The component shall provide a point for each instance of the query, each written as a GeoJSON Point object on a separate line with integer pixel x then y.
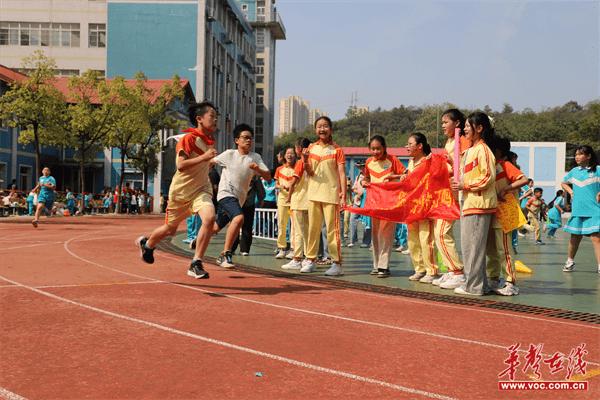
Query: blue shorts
{"type": "Point", "coordinates": [47, 199]}
{"type": "Point", "coordinates": [227, 209]}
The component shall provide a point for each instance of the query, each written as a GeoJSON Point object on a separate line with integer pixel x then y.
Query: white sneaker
{"type": "Point", "coordinates": [350, 245]}
{"type": "Point", "coordinates": [428, 278]}
{"type": "Point", "coordinates": [280, 254]}
{"type": "Point", "coordinates": [453, 282]}
{"type": "Point", "coordinates": [335, 270]}
{"type": "Point", "coordinates": [400, 249]}
{"type": "Point", "coordinates": [461, 290]}
{"type": "Point", "coordinates": [307, 266]}
{"type": "Point", "coordinates": [406, 252]}
{"type": "Point", "coordinates": [442, 279]}
{"type": "Point", "coordinates": [245, 254]}
{"type": "Point", "coordinates": [569, 266]}
{"type": "Point", "coordinates": [416, 276]}
{"type": "Point", "coordinates": [520, 234]}
{"type": "Point", "coordinates": [508, 290]}
{"type": "Point", "coordinates": [294, 264]}
{"type": "Point", "coordinates": [290, 254]}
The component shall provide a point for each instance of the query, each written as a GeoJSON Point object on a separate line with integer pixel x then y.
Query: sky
{"type": "Point", "coordinates": [531, 54]}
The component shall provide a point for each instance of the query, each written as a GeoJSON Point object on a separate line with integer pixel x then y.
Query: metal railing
{"type": "Point", "coordinates": [265, 223]}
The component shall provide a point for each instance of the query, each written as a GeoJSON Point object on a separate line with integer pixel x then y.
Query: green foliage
{"type": "Point", "coordinates": [570, 123]}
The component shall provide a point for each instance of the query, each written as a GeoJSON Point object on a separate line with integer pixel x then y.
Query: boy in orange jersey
{"type": "Point", "coordinates": [190, 190]}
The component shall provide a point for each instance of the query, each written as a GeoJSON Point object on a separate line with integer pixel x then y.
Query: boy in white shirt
{"type": "Point", "coordinates": [239, 166]}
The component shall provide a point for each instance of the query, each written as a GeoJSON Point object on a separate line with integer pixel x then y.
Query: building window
{"type": "Point", "coordinates": [39, 34]}
{"type": "Point", "coordinates": [260, 39]}
{"type": "Point", "coordinates": [25, 174]}
{"type": "Point", "coordinates": [97, 35]}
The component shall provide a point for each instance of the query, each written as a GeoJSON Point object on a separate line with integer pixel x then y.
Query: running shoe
{"type": "Point", "coordinates": [146, 253]}
{"type": "Point", "coordinates": [197, 271]}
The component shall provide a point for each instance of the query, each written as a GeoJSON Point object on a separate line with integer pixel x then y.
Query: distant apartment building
{"type": "Point", "coordinates": [314, 114]}
{"type": "Point", "coordinates": [293, 114]}
{"type": "Point", "coordinates": [268, 28]}
{"type": "Point", "coordinates": [73, 32]}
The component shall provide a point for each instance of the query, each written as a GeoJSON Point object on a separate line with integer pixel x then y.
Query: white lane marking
{"type": "Point", "coordinates": [30, 245]}
{"type": "Point", "coordinates": [221, 343]}
{"type": "Point", "coordinates": [8, 395]}
{"type": "Point", "coordinates": [98, 284]}
{"type": "Point", "coordinates": [416, 301]}
{"type": "Point", "coordinates": [305, 311]}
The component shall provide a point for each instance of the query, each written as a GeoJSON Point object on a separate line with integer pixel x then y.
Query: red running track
{"type": "Point", "coordinates": [82, 317]}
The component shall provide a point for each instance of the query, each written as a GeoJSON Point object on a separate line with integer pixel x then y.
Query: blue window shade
{"type": "Point", "coordinates": [523, 160]}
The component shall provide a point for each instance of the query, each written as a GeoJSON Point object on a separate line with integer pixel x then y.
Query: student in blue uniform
{"type": "Point", "coordinates": [47, 186]}
{"type": "Point", "coordinates": [583, 184]}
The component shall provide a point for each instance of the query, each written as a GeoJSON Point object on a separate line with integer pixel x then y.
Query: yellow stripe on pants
{"type": "Point", "coordinates": [317, 212]}
{"type": "Point", "coordinates": [498, 253]}
{"type": "Point", "coordinates": [422, 246]}
{"type": "Point", "coordinates": [283, 217]}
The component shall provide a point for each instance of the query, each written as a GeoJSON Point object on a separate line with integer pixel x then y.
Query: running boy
{"type": "Point", "coordinates": [190, 190]}
{"type": "Point", "coordinates": [534, 209]}
{"type": "Point", "coordinates": [239, 167]}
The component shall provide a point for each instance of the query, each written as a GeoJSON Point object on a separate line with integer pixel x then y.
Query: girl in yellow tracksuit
{"type": "Point", "coordinates": [444, 238]}
{"type": "Point", "coordinates": [284, 176]}
{"type": "Point", "coordinates": [420, 233]}
{"type": "Point", "coordinates": [324, 163]}
{"type": "Point", "coordinates": [381, 167]}
{"type": "Point", "coordinates": [478, 180]}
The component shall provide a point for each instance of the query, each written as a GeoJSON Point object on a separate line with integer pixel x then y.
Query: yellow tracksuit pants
{"type": "Point", "coordinates": [317, 212]}
{"type": "Point", "coordinates": [299, 240]}
{"type": "Point", "coordinates": [283, 217]}
{"type": "Point", "coordinates": [421, 244]}
{"type": "Point", "coordinates": [383, 240]}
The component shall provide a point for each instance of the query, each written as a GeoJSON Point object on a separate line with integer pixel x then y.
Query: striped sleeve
{"type": "Point", "coordinates": [487, 169]}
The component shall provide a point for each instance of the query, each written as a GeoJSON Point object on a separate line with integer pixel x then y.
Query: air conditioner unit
{"type": "Point", "coordinates": [210, 14]}
{"type": "Point", "coordinates": [228, 77]}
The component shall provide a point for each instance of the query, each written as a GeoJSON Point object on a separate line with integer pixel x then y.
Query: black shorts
{"type": "Point", "coordinates": [227, 209]}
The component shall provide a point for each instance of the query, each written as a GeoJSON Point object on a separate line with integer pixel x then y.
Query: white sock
{"type": "Point", "coordinates": [570, 260]}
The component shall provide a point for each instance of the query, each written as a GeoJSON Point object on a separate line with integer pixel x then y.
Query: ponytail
{"type": "Point", "coordinates": [422, 139]}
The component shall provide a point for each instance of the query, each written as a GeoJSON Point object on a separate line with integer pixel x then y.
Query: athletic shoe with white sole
{"type": "Point", "coordinates": [146, 253]}
{"type": "Point", "coordinates": [335, 270]}
{"type": "Point", "coordinates": [454, 282]}
{"type": "Point", "coordinates": [225, 260]}
{"type": "Point", "coordinates": [374, 271]}
{"type": "Point", "coordinates": [197, 271]}
{"type": "Point", "coordinates": [442, 279]}
{"type": "Point", "coordinates": [416, 276]}
{"type": "Point", "coordinates": [280, 254]}
{"type": "Point", "coordinates": [290, 254]}
{"type": "Point", "coordinates": [294, 264]}
{"type": "Point", "coordinates": [569, 266]}
{"type": "Point", "coordinates": [383, 273]}
{"type": "Point", "coordinates": [461, 290]}
{"type": "Point", "coordinates": [308, 266]}
{"type": "Point", "coordinates": [428, 278]}
{"type": "Point", "coordinates": [508, 290]}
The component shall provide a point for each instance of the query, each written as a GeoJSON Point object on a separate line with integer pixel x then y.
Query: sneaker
{"type": "Point", "coordinates": [335, 270]}
{"type": "Point", "coordinates": [280, 254]}
{"type": "Point", "coordinates": [186, 241]}
{"type": "Point", "coordinates": [539, 243]}
{"type": "Point", "coordinates": [442, 279]}
{"type": "Point", "coordinates": [416, 276]}
{"type": "Point", "coordinates": [400, 249]}
{"type": "Point", "coordinates": [508, 290]}
{"type": "Point", "coordinates": [146, 253]}
{"type": "Point", "coordinates": [406, 252]}
{"type": "Point", "coordinates": [428, 278]}
{"type": "Point", "coordinates": [324, 261]}
{"type": "Point", "coordinates": [294, 264]}
{"type": "Point", "coordinates": [192, 245]}
{"type": "Point", "coordinates": [245, 253]}
{"type": "Point", "coordinates": [290, 254]}
{"type": "Point", "coordinates": [364, 246]}
{"type": "Point", "coordinates": [307, 266]}
{"type": "Point", "coordinates": [350, 245]}
{"type": "Point", "coordinates": [461, 290]}
{"type": "Point", "coordinates": [225, 260]}
{"type": "Point", "coordinates": [453, 282]}
{"type": "Point", "coordinates": [34, 223]}
{"type": "Point", "coordinates": [520, 234]}
{"type": "Point", "coordinates": [383, 273]}
{"type": "Point", "coordinates": [374, 271]}
{"type": "Point", "coordinates": [197, 271]}
{"type": "Point", "coordinates": [569, 266]}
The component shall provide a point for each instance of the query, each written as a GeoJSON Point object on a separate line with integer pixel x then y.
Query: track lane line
{"type": "Point", "coordinates": [233, 346]}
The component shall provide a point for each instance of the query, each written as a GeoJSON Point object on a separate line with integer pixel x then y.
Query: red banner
{"type": "Point", "coordinates": [423, 193]}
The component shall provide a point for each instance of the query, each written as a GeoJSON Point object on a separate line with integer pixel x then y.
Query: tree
{"type": "Point", "coordinates": [90, 117]}
{"type": "Point", "coordinates": [35, 106]}
{"type": "Point", "coordinates": [507, 109]}
{"type": "Point", "coordinates": [158, 112]}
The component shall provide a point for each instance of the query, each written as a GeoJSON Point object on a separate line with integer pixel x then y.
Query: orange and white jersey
{"type": "Point", "coordinates": [378, 170]}
{"type": "Point", "coordinates": [186, 185]}
{"type": "Point", "coordinates": [300, 195]}
{"type": "Point", "coordinates": [324, 185]}
{"type": "Point", "coordinates": [479, 177]}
